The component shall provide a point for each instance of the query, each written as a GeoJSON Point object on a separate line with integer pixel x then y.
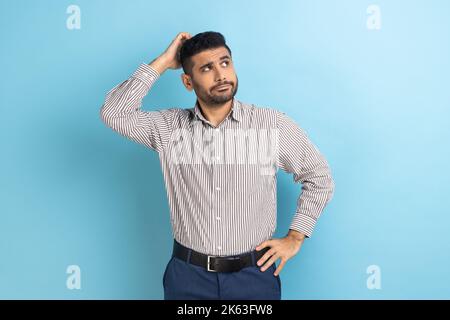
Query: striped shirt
{"type": "Point", "coordinates": [221, 180]}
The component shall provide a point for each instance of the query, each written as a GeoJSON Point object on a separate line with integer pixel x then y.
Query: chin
{"type": "Point", "coordinates": [220, 100]}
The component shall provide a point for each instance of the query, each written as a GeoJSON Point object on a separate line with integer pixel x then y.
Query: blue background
{"type": "Point", "coordinates": [375, 102]}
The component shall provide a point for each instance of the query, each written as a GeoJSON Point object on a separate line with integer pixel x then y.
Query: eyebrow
{"type": "Point", "coordinates": [210, 63]}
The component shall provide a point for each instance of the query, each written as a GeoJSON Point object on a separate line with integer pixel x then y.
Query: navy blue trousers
{"type": "Point", "coordinates": [186, 281]}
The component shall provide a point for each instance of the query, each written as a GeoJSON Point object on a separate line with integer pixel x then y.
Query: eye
{"type": "Point", "coordinates": [226, 62]}
{"type": "Point", "coordinates": [205, 69]}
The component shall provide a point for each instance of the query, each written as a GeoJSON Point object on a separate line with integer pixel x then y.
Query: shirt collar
{"type": "Point", "coordinates": [235, 111]}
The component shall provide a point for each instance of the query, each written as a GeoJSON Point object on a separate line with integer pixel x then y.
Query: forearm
{"type": "Point", "coordinates": [160, 64]}
{"type": "Point", "coordinates": [126, 98]}
{"type": "Point", "coordinates": [317, 191]}
{"type": "Point", "coordinates": [121, 110]}
{"type": "Point", "coordinates": [122, 103]}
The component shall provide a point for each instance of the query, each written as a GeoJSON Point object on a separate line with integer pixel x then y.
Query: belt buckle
{"type": "Point", "coordinates": [207, 265]}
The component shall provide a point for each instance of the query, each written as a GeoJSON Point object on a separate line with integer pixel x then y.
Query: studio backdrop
{"type": "Point", "coordinates": [84, 212]}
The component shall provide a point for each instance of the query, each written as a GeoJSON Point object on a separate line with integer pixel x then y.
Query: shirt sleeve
{"type": "Point", "coordinates": [122, 112]}
{"type": "Point", "coordinates": [299, 156]}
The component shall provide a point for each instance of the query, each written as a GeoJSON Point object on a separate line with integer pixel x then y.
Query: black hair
{"type": "Point", "coordinates": [198, 43]}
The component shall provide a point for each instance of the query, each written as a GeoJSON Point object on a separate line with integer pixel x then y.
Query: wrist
{"type": "Point", "coordinates": [296, 235]}
{"type": "Point", "coordinates": [159, 64]}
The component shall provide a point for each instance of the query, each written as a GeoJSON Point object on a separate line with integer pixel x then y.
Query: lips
{"type": "Point", "coordinates": [223, 86]}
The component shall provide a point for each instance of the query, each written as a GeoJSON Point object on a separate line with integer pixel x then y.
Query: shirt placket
{"type": "Point", "coordinates": [217, 190]}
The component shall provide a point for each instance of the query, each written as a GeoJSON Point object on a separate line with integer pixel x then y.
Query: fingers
{"type": "Point", "coordinates": [183, 36]}
{"type": "Point", "coordinates": [279, 249]}
{"type": "Point", "coordinates": [270, 262]}
{"type": "Point", "coordinates": [180, 38]}
{"type": "Point", "coordinates": [265, 257]}
{"type": "Point", "coordinates": [280, 267]}
{"type": "Point", "coordinates": [273, 258]}
{"type": "Point", "coordinates": [262, 245]}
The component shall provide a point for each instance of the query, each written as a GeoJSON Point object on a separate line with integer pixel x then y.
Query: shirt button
{"type": "Point", "coordinates": [218, 188]}
{"type": "Point", "coordinates": [145, 73]}
{"type": "Point", "coordinates": [219, 247]}
{"type": "Point", "coordinates": [218, 218]}
{"type": "Point", "coordinates": [152, 78]}
{"type": "Point", "coordinates": [217, 158]}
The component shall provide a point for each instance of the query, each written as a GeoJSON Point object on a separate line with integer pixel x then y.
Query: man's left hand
{"type": "Point", "coordinates": [283, 248]}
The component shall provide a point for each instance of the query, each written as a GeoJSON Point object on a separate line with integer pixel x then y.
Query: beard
{"type": "Point", "coordinates": [214, 97]}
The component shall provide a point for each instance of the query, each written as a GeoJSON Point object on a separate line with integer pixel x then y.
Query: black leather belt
{"type": "Point", "coordinates": [217, 263]}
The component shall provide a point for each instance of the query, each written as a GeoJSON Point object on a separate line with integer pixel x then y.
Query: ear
{"type": "Point", "coordinates": [186, 79]}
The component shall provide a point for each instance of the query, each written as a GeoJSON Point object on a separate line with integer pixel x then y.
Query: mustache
{"type": "Point", "coordinates": [221, 84]}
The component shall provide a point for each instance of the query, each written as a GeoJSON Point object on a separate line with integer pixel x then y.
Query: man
{"type": "Point", "coordinates": [219, 162]}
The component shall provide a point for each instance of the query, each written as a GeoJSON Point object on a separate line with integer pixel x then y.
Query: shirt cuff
{"type": "Point", "coordinates": [146, 74]}
{"type": "Point", "coordinates": [303, 223]}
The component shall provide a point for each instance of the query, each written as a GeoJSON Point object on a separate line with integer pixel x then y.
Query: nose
{"type": "Point", "coordinates": [219, 76]}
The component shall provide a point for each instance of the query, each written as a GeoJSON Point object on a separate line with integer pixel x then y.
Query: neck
{"type": "Point", "coordinates": [215, 113]}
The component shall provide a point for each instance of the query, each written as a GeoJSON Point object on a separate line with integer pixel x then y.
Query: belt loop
{"type": "Point", "coordinates": [253, 258]}
{"type": "Point", "coordinates": [174, 247]}
{"type": "Point", "coordinates": [189, 256]}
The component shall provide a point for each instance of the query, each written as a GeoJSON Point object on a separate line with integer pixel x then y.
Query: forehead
{"type": "Point", "coordinates": [210, 55]}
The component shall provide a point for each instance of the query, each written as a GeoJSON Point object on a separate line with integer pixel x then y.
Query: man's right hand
{"type": "Point", "coordinates": [169, 58]}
